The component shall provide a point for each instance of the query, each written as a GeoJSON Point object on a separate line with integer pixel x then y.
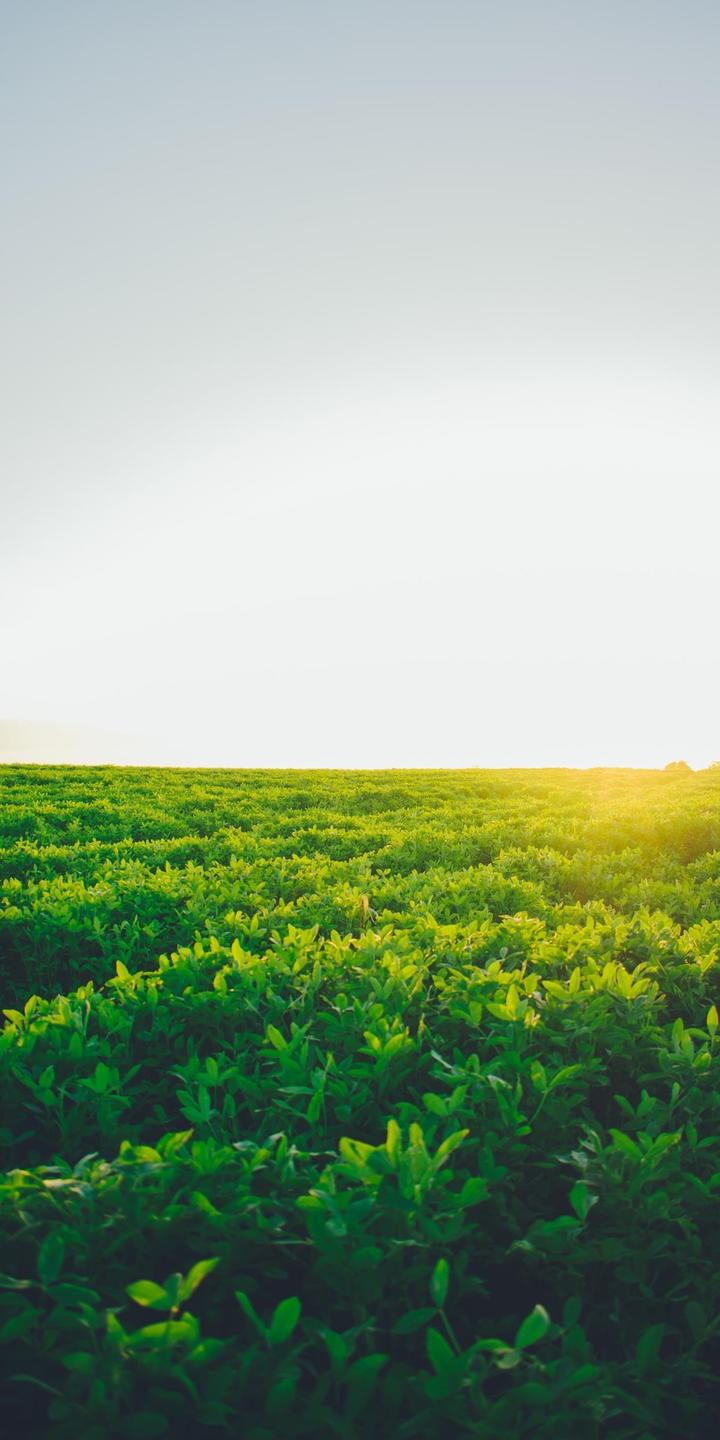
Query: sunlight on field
{"type": "Point", "coordinates": [359, 1104]}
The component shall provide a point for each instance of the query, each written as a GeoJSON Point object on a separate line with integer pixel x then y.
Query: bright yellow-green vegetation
{"type": "Point", "coordinates": [360, 1104]}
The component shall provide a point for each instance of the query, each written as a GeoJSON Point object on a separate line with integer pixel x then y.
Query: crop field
{"type": "Point", "coordinates": [360, 1104]}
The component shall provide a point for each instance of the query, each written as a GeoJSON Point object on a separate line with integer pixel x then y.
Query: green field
{"type": "Point", "coordinates": [360, 1104]}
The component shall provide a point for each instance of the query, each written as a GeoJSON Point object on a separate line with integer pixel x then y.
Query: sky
{"type": "Point", "coordinates": [360, 382]}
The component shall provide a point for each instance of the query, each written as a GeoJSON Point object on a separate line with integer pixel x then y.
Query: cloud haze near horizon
{"type": "Point", "coordinates": [360, 377]}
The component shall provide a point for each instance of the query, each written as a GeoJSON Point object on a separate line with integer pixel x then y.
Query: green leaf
{"type": "Point", "coordinates": [393, 1142]}
{"type": "Point", "coordinates": [355, 1152]}
{"type": "Point", "coordinates": [206, 1352]}
{"type": "Point", "coordinates": [276, 1038]}
{"type": "Point", "coordinates": [533, 1328]}
{"type": "Point", "coordinates": [285, 1318]}
{"type": "Point", "coordinates": [81, 1362]}
{"type": "Point", "coordinates": [448, 1146]}
{"type": "Point", "coordinates": [114, 1328]}
{"type": "Point", "coordinates": [712, 1019]}
{"type": "Point", "coordinates": [439, 1282]}
{"type": "Point", "coordinates": [434, 1104]}
{"type": "Point", "coordinates": [440, 1355]}
{"type": "Point", "coordinates": [163, 1333]}
{"type": "Point", "coordinates": [247, 1306]}
{"type": "Point", "coordinates": [195, 1276]}
{"type": "Point", "coordinates": [648, 1347]}
{"type": "Point", "coordinates": [413, 1320]}
{"type": "Point", "coordinates": [568, 1072]}
{"type": "Point", "coordinates": [500, 1011]}
{"type": "Point", "coordinates": [582, 1200]}
{"type": "Point", "coordinates": [338, 1348]}
{"type": "Point", "coordinates": [148, 1294]}
{"type": "Point", "coordinates": [626, 1145]}
{"type": "Point", "coordinates": [172, 1287]}
{"type": "Point", "coordinates": [50, 1259]}
{"type": "Point", "coordinates": [364, 1372]}
{"type": "Point", "coordinates": [361, 1378]}
{"type": "Point", "coordinates": [473, 1192]}
{"type": "Point", "coordinates": [572, 1311]}
{"type": "Point", "coordinates": [315, 1107]}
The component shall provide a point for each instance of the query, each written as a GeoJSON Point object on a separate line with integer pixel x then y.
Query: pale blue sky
{"type": "Point", "coordinates": [360, 380]}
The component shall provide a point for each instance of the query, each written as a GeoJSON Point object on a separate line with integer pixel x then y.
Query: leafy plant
{"type": "Point", "coordinates": [426, 1064]}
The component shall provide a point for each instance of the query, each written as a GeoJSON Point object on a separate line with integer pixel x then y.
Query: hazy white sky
{"type": "Point", "coordinates": [360, 382]}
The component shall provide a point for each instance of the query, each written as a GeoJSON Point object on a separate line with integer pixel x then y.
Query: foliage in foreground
{"type": "Point", "coordinates": [360, 1104]}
